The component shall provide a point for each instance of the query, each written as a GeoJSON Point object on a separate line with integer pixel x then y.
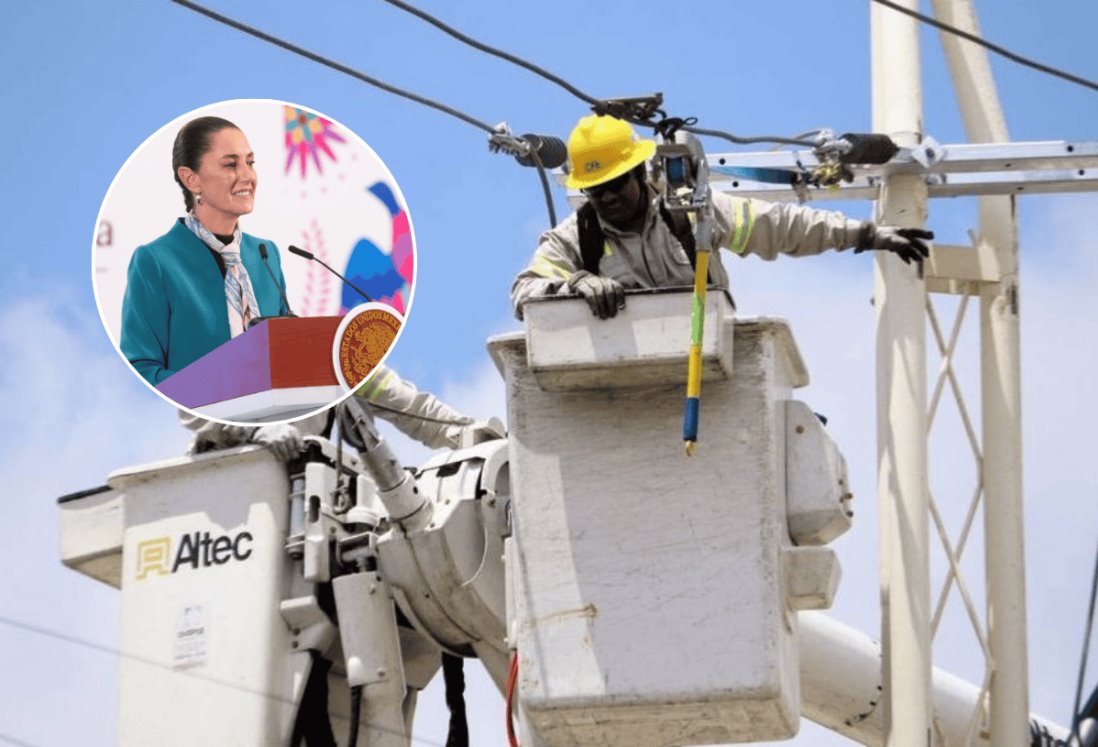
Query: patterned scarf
{"type": "Point", "coordinates": [239, 296]}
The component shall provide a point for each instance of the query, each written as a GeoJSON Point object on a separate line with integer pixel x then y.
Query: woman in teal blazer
{"type": "Point", "coordinates": [202, 282]}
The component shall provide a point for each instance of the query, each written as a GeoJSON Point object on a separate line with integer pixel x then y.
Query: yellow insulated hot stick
{"type": "Point", "coordinates": [692, 408]}
{"type": "Point", "coordinates": [686, 187]}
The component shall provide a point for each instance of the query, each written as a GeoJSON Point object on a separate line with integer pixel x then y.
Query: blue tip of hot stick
{"type": "Point", "coordinates": [690, 419]}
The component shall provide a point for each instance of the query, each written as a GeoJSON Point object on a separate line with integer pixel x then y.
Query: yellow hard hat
{"type": "Point", "coordinates": [603, 148]}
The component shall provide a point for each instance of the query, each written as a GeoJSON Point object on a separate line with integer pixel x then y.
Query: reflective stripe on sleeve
{"type": "Point", "coordinates": [547, 268]}
{"type": "Point", "coordinates": [743, 220]}
{"type": "Point", "coordinates": [374, 385]}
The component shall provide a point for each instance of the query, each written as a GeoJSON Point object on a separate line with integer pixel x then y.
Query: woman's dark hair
{"type": "Point", "coordinates": [193, 142]}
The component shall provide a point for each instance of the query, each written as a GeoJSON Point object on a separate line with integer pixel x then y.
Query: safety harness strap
{"type": "Point", "coordinates": [592, 240]}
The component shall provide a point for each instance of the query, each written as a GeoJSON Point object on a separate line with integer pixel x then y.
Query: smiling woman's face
{"type": "Point", "coordinates": [225, 179]}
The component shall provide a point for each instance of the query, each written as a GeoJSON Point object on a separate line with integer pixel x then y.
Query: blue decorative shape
{"type": "Point", "coordinates": [372, 271]}
{"type": "Point", "coordinates": [381, 191]}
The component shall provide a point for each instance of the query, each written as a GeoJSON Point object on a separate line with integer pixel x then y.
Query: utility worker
{"type": "Point", "coordinates": [624, 238]}
{"type": "Point", "coordinates": [419, 415]}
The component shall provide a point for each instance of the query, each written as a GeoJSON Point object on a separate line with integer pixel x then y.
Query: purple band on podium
{"type": "Point", "coordinates": [276, 354]}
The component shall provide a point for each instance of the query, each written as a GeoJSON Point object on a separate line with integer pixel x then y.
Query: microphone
{"type": "Point", "coordinates": [263, 256]}
{"type": "Point", "coordinates": [309, 255]}
{"type": "Point", "coordinates": [551, 151]}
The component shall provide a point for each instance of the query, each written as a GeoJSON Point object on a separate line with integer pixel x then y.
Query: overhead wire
{"type": "Point", "coordinates": [544, 185]}
{"type": "Point", "coordinates": [595, 103]}
{"type": "Point", "coordinates": [999, 50]}
{"type": "Point", "coordinates": [777, 139]}
{"type": "Point", "coordinates": [377, 82]}
{"type": "Point", "coordinates": [488, 49]}
{"type": "Point", "coordinates": [494, 51]}
{"type": "Point", "coordinates": [5, 739]}
{"type": "Point", "coordinates": [587, 98]}
{"type": "Point", "coordinates": [339, 66]}
{"type": "Point", "coordinates": [190, 674]}
{"type": "Point", "coordinates": [419, 13]}
{"type": "Point", "coordinates": [1076, 715]}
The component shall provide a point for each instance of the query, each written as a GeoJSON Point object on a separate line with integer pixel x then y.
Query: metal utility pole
{"type": "Point", "coordinates": [994, 170]}
{"type": "Point", "coordinates": [1000, 390]}
{"type": "Point", "coordinates": [900, 298]}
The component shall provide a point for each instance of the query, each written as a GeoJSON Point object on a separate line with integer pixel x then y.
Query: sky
{"type": "Point", "coordinates": [88, 82]}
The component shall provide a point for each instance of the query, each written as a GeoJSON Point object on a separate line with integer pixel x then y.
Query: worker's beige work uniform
{"type": "Point", "coordinates": [386, 390]}
{"type": "Point", "coordinates": [655, 259]}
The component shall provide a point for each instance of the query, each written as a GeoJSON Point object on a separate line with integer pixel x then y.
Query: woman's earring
{"type": "Point", "coordinates": [198, 198]}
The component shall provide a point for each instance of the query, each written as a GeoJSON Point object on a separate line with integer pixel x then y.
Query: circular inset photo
{"type": "Point", "coordinates": [234, 252]}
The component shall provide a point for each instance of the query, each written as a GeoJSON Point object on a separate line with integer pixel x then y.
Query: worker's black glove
{"type": "Point", "coordinates": [909, 244]}
{"type": "Point", "coordinates": [603, 295]}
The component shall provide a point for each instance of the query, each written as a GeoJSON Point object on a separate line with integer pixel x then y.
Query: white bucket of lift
{"type": "Point", "coordinates": [197, 547]}
{"type": "Point", "coordinates": [649, 589]}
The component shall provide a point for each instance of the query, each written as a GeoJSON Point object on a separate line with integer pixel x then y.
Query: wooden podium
{"type": "Point", "coordinates": [279, 369]}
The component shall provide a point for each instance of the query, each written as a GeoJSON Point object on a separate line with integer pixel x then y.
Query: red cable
{"type": "Point", "coordinates": [512, 680]}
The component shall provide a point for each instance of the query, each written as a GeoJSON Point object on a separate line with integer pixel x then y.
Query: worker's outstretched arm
{"type": "Point", "coordinates": [767, 229]}
{"type": "Point", "coordinates": [418, 415]}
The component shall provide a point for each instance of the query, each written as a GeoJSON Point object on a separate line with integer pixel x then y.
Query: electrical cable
{"type": "Point", "coordinates": [290, 47]}
{"type": "Point", "coordinates": [749, 140]}
{"type": "Point", "coordinates": [494, 51]}
{"type": "Point", "coordinates": [1075, 713]}
{"type": "Point", "coordinates": [4, 738]}
{"type": "Point", "coordinates": [512, 680]}
{"type": "Point", "coordinates": [536, 158]}
{"type": "Point", "coordinates": [168, 668]}
{"type": "Point", "coordinates": [586, 98]}
{"type": "Point", "coordinates": [1003, 51]}
{"type": "Point", "coordinates": [356, 707]}
{"type": "Point", "coordinates": [358, 75]}
{"type": "Point", "coordinates": [453, 677]}
{"type": "Point", "coordinates": [313, 720]}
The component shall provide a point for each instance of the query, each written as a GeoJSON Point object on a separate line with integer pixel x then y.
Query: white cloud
{"type": "Point", "coordinates": [482, 395]}
{"type": "Point", "coordinates": [72, 411]}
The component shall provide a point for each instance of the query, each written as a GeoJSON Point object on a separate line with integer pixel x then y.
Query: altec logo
{"type": "Point", "coordinates": [195, 550]}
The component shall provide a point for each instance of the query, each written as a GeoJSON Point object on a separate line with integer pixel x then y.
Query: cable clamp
{"type": "Point", "coordinates": [502, 141]}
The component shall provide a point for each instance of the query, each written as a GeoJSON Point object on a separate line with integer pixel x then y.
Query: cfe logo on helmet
{"type": "Point", "coordinates": [602, 148]}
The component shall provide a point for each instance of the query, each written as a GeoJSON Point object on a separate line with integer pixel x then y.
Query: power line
{"type": "Point", "coordinates": [57, 635]}
{"type": "Point", "coordinates": [359, 75]}
{"type": "Point", "coordinates": [1003, 51]}
{"type": "Point", "coordinates": [597, 104]}
{"type": "Point", "coordinates": [1076, 715]}
{"type": "Point", "coordinates": [347, 70]}
{"type": "Point", "coordinates": [494, 51]}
